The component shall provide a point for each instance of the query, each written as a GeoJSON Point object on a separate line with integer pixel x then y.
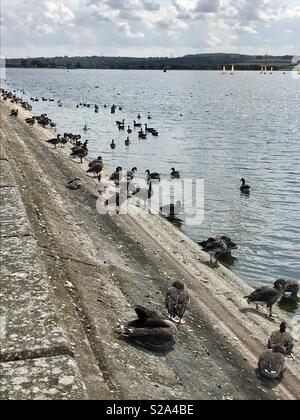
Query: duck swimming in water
{"type": "Point", "coordinates": [113, 145]}
{"type": "Point", "coordinates": [150, 331]}
{"type": "Point", "coordinates": [153, 175]}
{"type": "Point", "coordinates": [291, 287]}
{"type": "Point", "coordinates": [244, 187]}
{"type": "Point", "coordinates": [218, 247]}
{"type": "Point", "coordinates": [174, 173]}
{"type": "Point", "coordinates": [127, 142]}
{"type": "Point", "coordinates": [177, 301]}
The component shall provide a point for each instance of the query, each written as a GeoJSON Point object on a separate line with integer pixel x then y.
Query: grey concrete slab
{"type": "Point", "coordinates": [55, 378]}
{"type": "Point", "coordinates": [2, 151]}
{"type": "Point", "coordinates": [29, 326]}
{"type": "Point", "coordinates": [6, 175]}
{"type": "Point", "coordinates": [13, 218]}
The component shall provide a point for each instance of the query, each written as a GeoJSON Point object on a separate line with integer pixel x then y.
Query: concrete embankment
{"type": "Point", "coordinates": [35, 356]}
{"type": "Point", "coordinates": [71, 276]}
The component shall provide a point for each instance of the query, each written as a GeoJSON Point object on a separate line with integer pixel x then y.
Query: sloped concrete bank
{"type": "Point", "coordinates": [35, 356]}
{"type": "Point", "coordinates": [95, 269]}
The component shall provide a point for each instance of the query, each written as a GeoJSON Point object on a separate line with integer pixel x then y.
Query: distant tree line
{"type": "Point", "coordinates": [187, 62]}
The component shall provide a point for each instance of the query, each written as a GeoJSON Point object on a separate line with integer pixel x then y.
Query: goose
{"type": "Point", "coordinates": [153, 175]}
{"type": "Point", "coordinates": [96, 161]}
{"type": "Point", "coordinates": [291, 287]}
{"type": "Point", "coordinates": [113, 145]}
{"type": "Point", "coordinates": [131, 174]}
{"type": "Point", "coordinates": [142, 135]}
{"type": "Point", "coordinates": [272, 363]}
{"type": "Point", "coordinates": [266, 295]}
{"type": "Point", "coordinates": [218, 247]}
{"type": "Point", "coordinates": [282, 338]}
{"type": "Point", "coordinates": [148, 129]}
{"type": "Point", "coordinates": [135, 124]}
{"type": "Point", "coordinates": [55, 141]}
{"type": "Point", "coordinates": [171, 210]}
{"type": "Point", "coordinates": [75, 184]}
{"type": "Point", "coordinates": [155, 133]}
{"type": "Point", "coordinates": [144, 193]}
{"type": "Point", "coordinates": [14, 113]}
{"type": "Point", "coordinates": [85, 128]}
{"type": "Point", "coordinates": [127, 142]}
{"type": "Point", "coordinates": [81, 152]}
{"type": "Point", "coordinates": [129, 130]}
{"type": "Point", "coordinates": [63, 141]}
{"type": "Point", "coordinates": [150, 331]}
{"type": "Point", "coordinates": [139, 116]}
{"type": "Point", "coordinates": [174, 173]}
{"type": "Point", "coordinates": [177, 301]}
{"type": "Point", "coordinates": [149, 116]}
{"type": "Point", "coordinates": [117, 175]}
{"type": "Point", "coordinates": [244, 187]}
{"type": "Point", "coordinates": [95, 169]}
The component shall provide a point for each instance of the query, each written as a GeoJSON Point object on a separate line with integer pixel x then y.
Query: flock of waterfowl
{"type": "Point", "coordinates": [150, 329]}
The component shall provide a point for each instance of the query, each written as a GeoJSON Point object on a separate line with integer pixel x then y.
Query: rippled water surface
{"type": "Point", "coordinates": [246, 125]}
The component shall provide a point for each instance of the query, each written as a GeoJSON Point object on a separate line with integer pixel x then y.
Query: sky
{"type": "Point", "coordinates": [136, 28]}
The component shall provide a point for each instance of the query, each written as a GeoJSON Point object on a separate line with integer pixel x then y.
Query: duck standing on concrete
{"type": "Point", "coordinates": [80, 152]}
{"type": "Point", "coordinates": [282, 338]}
{"type": "Point", "coordinates": [272, 363]}
{"type": "Point", "coordinates": [96, 169]}
{"type": "Point", "coordinates": [131, 174]}
{"type": "Point", "coordinates": [55, 141]}
{"type": "Point", "coordinates": [266, 295]}
{"type": "Point", "coordinates": [177, 301]}
{"type": "Point", "coordinates": [150, 331]}
{"type": "Point", "coordinates": [117, 175]}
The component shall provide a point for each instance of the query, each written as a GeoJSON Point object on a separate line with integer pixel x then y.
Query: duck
{"type": "Point", "coordinates": [244, 187]}
{"type": "Point", "coordinates": [153, 175]}
{"type": "Point", "coordinates": [127, 142]}
{"type": "Point", "coordinates": [96, 161]}
{"type": "Point", "coordinates": [117, 175]}
{"type": "Point", "coordinates": [218, 247]}
{"type": "Point", "coordinates": [96, 169]}
{"type": "Point", "coordinates": [177, 301]}
{"type": "Point", "coordinates": [75, 184]}
{"type": "Point", "coordinates": [63, 141]}
{"type": "Point", "coordinates": [174, 173]}
{"type": "Point", "coordinates": [282, 338]}
{"type": "Point", "coordinates": [144, 193]}
{"type": "Point", "coordinates": [271, 363]}
{"type": "Point", "coordinates": [113, 145]}
{"type": "Point", "coordinates": [172, 210]}
{"type": "Point", "coordinates": [266, 295]}
{"type": "Point", "coordinates": [54, 141]}
{"type": "Point", "coordinates": [291, 287]}
{"type": "Point", "coordinates": [131, 174]}
{"type": "Point", "coordinates": [81, 152]}
{"type": "Point", "coordinates": [150, 331]}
